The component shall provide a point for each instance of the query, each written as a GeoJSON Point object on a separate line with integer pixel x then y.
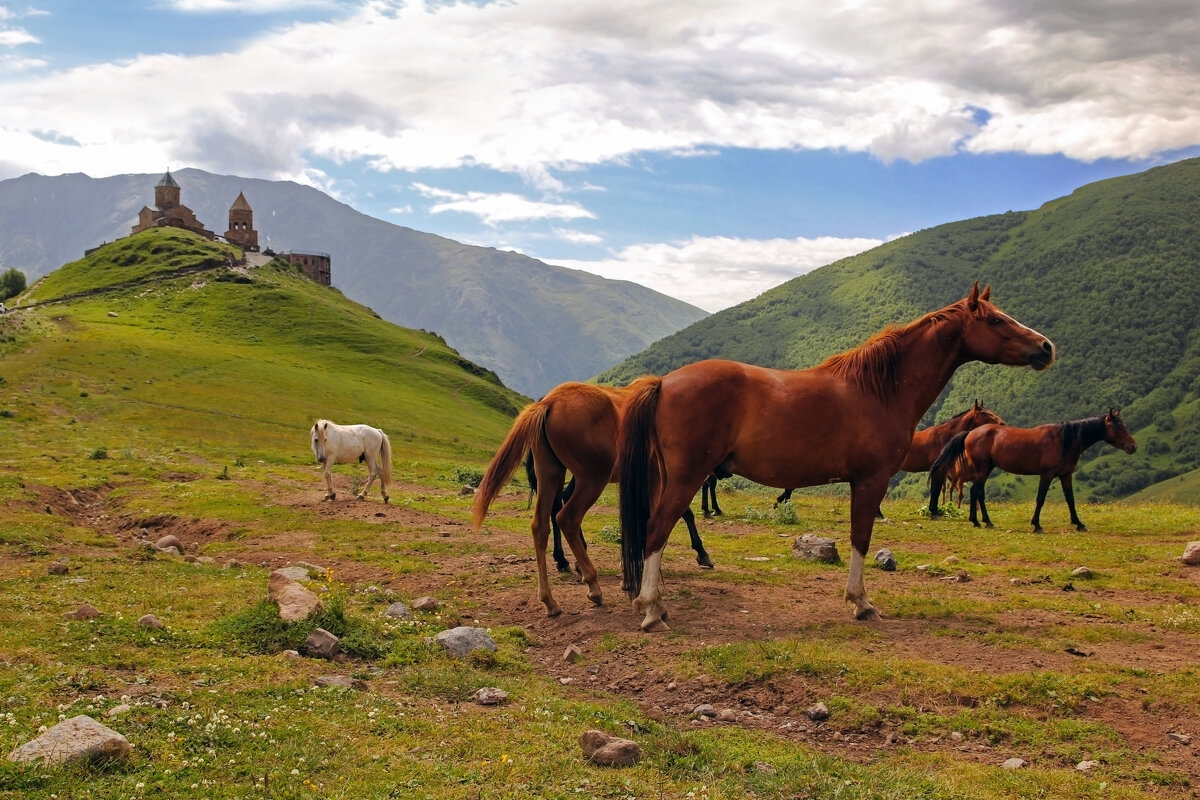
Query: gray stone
{"type": "Point", "coordinates": [398, 610]}
{"type": "Point", "coordinates": [463, 640]}
{"type": "Point", "coordinates": [118, 710]}
{"type": "Point", "coordinates": [1191, 554]}
{"type": "Point", "coordinates": [727, 715]}
{"type": "Point", "coordinates": [294, 572]}
{"type": "Point", "coordinates": [57, 568]}
{"type": "Point", "coordinates": [572, 654]}
{"type": "Point", "coordinates": [491, 696]}
{"type": "Point", "coordinates": [1085, 766]}
{"type": "Point", "coordinates": [885, 560]}
{"type": "Point", "coordinates": [1013, 763]}
{"type": "Point", "coordinates": [609, 751]}
{"type": "Point", "coordinates": [811, 547]}
{"type": "Point", "coordinates": [313, 568]}
{"type": "Point", "coordinates": [321, 644]}
{"type": "Point", "coordinates": [85, 611]}
{"type": "Point", "coordinates": [295, 602]}
{"type": "Point", "coordinates": [171, 551]}
{"type": "Point", "coordinates": [78, 739]}
{"type": "Point", "coordinates": [341, 682]}
{"type": "Point", "coordinates": [705, 710]}
{"type": "Point", "coordinates": [425, 604]}
{"type": "Point", "coordinates": [149, 621]}
{"type": "Point", "coordinates": [1081, 572]}
{"type": "Point", "coordinates": [1181, 738]}
{"type": "Point", "coordinates": [169, 541]}
{"type": "Point", "coordinates": [818, 712]}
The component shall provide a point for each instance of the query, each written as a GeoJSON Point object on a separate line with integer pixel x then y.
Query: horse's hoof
{"type": "Point", "coordinates": [562, 566]}
{"type": "Point", "coordinates": [1037, 528]}
{"type": "Point", "coordinates": [718, 513]}
{"type": "Point", "coordinates": [329, 497]}
{"type": "Point", "coordinates": [988, 525]}
{"type": "Point", "coordinates": [385, 499]}
{"type": "Point", "coordinates": [868, 615]}
{"type": "Point", "coordinates": [597, 600]}
{"type": "Point", "coordinates": [705, 561]}
{"type": "Point", "coordinates": [553, 611]}
{"type": "Point", "coordinates": [1081, 528]}
{"type": "Point", "coordinates": [655, 626]}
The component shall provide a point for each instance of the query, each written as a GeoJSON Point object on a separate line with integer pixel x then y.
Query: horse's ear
{"type": "Point", "coordinates": [973, 297]}
{"type": "Point", "coordinates": [987, 293]}
{"type": "Point", "coordinates": [977, 406]}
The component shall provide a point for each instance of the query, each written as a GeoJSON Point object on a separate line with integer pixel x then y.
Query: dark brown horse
{"type": "Point", "coordinates": [928, 442]}
{"type": "Point", "coordinates": [858, 411]}
{"type": "Point", "coordinates": [572, 429]}
{"type": "Point", "coordinates": [1048, 451]}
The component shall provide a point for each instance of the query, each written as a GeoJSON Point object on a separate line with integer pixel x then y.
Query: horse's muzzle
{"type": "Point", "coordinates": [1043, 358]}
{"type": "Point", "coordinates": [320, 459]}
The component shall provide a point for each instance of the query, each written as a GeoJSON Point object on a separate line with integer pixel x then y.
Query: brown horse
{"type": "Point", "coordinates": [858, 411]}
{"type": "Point", "coordinates": [1049, 451]}
{"type": "Point", "coordinates": [573, 428]}
{"type": "Point", "coordinates": [928, 442]}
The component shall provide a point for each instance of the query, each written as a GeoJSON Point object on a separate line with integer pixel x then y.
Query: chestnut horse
{"type": "Point", "coordinates": [573, 428]}
{"type": "Point", "coordinates": [858, 411]}
{"type": "Point", "coordinates": [928, 442]}
{"type": "Point", "coordinates": [1049, 451]}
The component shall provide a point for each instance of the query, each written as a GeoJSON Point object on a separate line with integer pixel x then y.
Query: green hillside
{"type": "Point", "coordinates": [1109, 273]}
{"type": "Point", "coordinates": [159, 339]}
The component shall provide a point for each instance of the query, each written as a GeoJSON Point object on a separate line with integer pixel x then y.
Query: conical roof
{"type": "Point", "coordinates": [167, 180]}
{"type": "Point", "coordinates": [240, 204]}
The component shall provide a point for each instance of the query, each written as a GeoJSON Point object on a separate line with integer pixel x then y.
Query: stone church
{"type": "Point", "coordinates": [168, 211]}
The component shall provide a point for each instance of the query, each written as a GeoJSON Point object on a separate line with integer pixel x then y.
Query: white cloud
{"type": "Point", "coordinates": [577, 237]}
{"type": "Point", "coordinates": [533, 86]}
{"type": "Point", "coordinates": [498, 208]}
{"type": "Point", "coordinates": [12, 37]}
{"type": "Point", "coordinates": [717, 272]}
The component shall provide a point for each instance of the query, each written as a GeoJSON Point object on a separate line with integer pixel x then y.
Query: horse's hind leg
{"type": "Point", "coordinates": [570, 519]}
{"type": "Point", "coordinates": [983, 513]}
{"type": "Point", "coordinates": [1069, 493]}
{"type": "Point", "coordinates": [549, 487]}
{"type": "Point", "coordinates": [560, 558]}
{"type": "Point", "coordinates": [372, 471]}
{"type": "Point", "coordinates": [702, 558]}
{"type": "Point", "coordinates": [976, 502]}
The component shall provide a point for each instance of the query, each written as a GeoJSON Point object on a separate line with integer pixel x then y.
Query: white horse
{"type": "Point", "coordinates": [344, 444]}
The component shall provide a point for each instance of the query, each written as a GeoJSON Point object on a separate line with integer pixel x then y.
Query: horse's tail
{"type": "Point", "coordinates": [635, 445]}
{"type": "Point", "coordinates": [385, 462]}
{"type": "Point", "coordinates": [941, 465]}
{"type": "Point", "coordinates": [521, 437]}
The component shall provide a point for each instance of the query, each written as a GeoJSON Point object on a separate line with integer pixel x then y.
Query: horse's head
{"type": "Point", "coordinates": [993, 337]}
{"type": "Point", "coordinates": [317, 434]}
{"type": "Point", "coordinates": [1116, 434]}
{"type": "Point", "coordinates": [978, 415]}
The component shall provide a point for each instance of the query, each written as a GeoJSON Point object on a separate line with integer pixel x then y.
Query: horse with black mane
{"type": "Point", "coordinates": [858, 410]}
{"type": "Point", "coordinates": [1048, 451]}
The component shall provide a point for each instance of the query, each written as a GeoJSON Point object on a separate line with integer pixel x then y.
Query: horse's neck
{"type": "Point", "coordinates": [925, 363]}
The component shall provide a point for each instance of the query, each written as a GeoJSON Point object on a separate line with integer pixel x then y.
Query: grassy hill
{"type": "Point", "coordinates": [1109, 273]}
{"type": "Point", "coordinates": [163, 344]}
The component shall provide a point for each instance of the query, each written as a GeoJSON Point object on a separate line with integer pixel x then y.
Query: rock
{"type": "Point", "coordinates": [78, 739]}
{"type": "Point", "coordinates": [398, 610]}
{"type": "Point", "coordinates": [609, 751]}
{"type": "Point", "coordinates": [572, 654]}
{"type": "Point", "coordinates": [118, 710]}
{"type": "Point", "coordinates": [811, 547]}
{"type": "Point", "coordinates": [1013, 763]}
{"type": "Point", "coordinates": [885, 560]}
{"type": "Point", "coordinates": [85, 611]}
{"type": "Point", "coordinates": [295, 602]}
{"type": "Point", "coordinates": [727, 715]}
{"type": "Point", "coordinates": [171, 551]}
{"type": "Point", "coordinates": [321, 644]}
{"type": "Point", "coordinates": [463, 640]}
{"type": "Point", "coordinates": [765, 767]}
{"type": "Point", "coordinates": [169, 541]}
{"type": "Point", "coordinates": [491, 696]}
{"type": "Point", "coordinates": [705, 710]}
{"type": "Point", "coordinates": [1191, 554]}
{"type": "Point", "coordinates": [1181, 738]}
{"type": "Point", "coordinates": [341, 682]}
{"type": "Point", "coordinates": [425, 604]}
{"type": "Point", "coordinates": [955, 736]}
{"type": "Point", "coordinates": [818, 712]}
{"type": "Point", "coordinates": [232, 563]}
{"type": "Point", "coordinates": [1081, 572]}
{"type": "Point", "coordinates": [1084, 766]}
{"type": "Point", "coordinates": [312, 568]}
{"type": "Point", "coordinates": [295, 572]}
{"type": "Point", "coordinates": [467, 490]}
{"type": "Point", "coordinates": [57, 568]}
{"type": "Point", "coordinates": [950, 561]}
{"type": "Point", "coordinates": [149, 621]}
{"type": "Point", "coordinates": [960, 576]}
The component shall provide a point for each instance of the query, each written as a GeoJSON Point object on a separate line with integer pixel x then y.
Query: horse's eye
{"type": "Point", "coordinates": [995, 321]}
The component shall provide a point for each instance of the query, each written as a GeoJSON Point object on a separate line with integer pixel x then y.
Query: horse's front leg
{"type": "Point", "coordinates": [329, 493]}
{"type": "Point", "coordinates": [1043, 488]}
{"type": "Point", "coordinates": [865, 497]}
{"type": "Point", "coordinates": [1068, 487]}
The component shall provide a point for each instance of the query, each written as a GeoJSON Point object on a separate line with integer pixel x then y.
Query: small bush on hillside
{"type": "Point", "coordinates": [99, 454]}
{"type": "Point", "coordinates": [469, 476]}
{"type": "Point", "coordinates": [785, 514]}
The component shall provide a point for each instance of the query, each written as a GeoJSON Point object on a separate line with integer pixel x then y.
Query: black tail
{"type": "Point", "coordinates": [634, 446]}
{"type": "Point", "coordinates": [941, 465]}
{"type": "Point", "coordinates": [530, 478]}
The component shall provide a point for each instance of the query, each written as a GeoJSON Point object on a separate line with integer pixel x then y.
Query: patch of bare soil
{"type": "Point", "coordinates": [497, 587]}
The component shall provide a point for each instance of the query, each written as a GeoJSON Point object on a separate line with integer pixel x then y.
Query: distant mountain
{"type": "Point", "coordinates": [1111, 273]}
{"type": "Point", "coordinates": [535, 324]}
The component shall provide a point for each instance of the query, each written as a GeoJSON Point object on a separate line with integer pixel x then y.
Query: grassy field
{"type": "Point", "coordinates": [182, 407]}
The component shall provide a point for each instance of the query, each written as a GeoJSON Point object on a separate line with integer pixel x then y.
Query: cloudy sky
{"type": "Point", "coordinates": [709, 149]}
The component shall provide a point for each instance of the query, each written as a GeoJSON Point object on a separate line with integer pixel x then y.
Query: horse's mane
{"type": "Point", "coordinates": [1081, 433]}
{"type": "Point", "coordinates": [872, 365]}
